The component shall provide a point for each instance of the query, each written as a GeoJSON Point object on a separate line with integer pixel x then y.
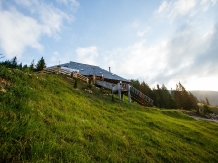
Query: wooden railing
{"type": "Point", "coordinates": [56, 70]}
{"type": "Point", "coordinates": [59, 70]}
{"type": "Point", "coordinates": [80, 77]}
{"type": "Point", "coordinates": [105, 84]}
{"type": "Point", "coordinates": [123, 87]}
{"type": "Point", "coordinates": [141, 95]}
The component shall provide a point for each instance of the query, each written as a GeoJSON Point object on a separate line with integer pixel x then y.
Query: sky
{"type": "Point", "coordinates": [158, 41]}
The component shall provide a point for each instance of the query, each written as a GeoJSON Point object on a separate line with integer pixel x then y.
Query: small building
{"type": "Point", "coordinates": [90, 70]}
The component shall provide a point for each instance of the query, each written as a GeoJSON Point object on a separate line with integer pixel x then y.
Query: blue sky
{"type": "Point", "coordinates": [159, 41]}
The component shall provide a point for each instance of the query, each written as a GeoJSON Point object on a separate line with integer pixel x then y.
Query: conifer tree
{"type": "Point", "coordinates": [184, 99]}
{"type": "Point", "coordinates": [1, 56]}
{"type": "Point", "coordinates": [207, 101]}
{"type": "Point", "coordinates": [32, 66]}
{"type": "Point", "coordinates": [40, 65]}
{"type": "Point", "coordinates": [14, 62]}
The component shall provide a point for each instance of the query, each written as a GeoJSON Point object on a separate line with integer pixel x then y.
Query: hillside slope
{"type": "Point", "coordinates": [44, 119]}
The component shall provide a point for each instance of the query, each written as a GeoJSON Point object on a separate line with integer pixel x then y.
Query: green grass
{"type": "Point", "coordinates": [213, 109]}
{"type": "Point", "coordinates": [44, 119]}
{"type": "Point", "coordinates": [209, 109]}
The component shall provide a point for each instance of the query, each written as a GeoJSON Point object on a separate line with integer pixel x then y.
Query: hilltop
{"type": "Point", "coordinates": [44, 119]}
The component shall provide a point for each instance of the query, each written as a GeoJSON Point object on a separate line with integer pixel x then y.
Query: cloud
{"type": "Point", "coordinates": [69, 2]}
{"type": "Point", "coordinates": [136, 23]}
{"type": "Point", "coordinates": [179, 8]}
{"type": "Point", "coordinates": [17, 32]}
{"type": "Point", "coordinates": [186, 56]}
{"type": "Point", "coordinates": [143, 32]}
{"type": "Point", "coordinates": [137, 61]}
{"type": "Point", "coordinates": [87, 55]}
{"type": "Point", "coordinates": [20, 30]}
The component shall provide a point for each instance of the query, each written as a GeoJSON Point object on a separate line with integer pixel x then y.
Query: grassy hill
{"type": "Point", "coordinates": [44, 119]}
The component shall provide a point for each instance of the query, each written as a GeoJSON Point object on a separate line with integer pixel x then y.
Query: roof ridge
{"type": "Point", "coordinates": [83, 64]}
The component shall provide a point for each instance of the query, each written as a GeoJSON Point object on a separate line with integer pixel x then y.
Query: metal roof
{"type": "Point", "coordinates": [86, 69]}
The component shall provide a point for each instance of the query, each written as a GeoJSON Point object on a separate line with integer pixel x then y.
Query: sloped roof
{"type": "Point", "coordinates": [86, 69]}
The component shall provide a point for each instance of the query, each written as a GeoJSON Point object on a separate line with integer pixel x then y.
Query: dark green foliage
{"type": "Point", "coordinates": [163, 98]}
{"type": "Point", "coordinates": [205, 109]}
{"type": "Point", "coordinates": [207, 101]}
{"type": "Point", "coordinates": [184, 100]}
{"type": "Point", "coordinates": [1, 56]}
{"type": "Point", "coordinates": [75, 83]}
{"type": "Point", "coordinates": [11, 64]}
{"type": "Point", "coordinates": [14, 62]}
{"type": "Point", "coordinates": [40, 65]}
{"type": "Point", "coordinates": [32, 66]}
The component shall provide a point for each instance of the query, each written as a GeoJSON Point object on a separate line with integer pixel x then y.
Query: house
{"type": "Point", "coordinates": [90, 70]}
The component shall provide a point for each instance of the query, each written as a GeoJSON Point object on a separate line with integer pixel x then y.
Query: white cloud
{"type": "Point", "coordinates": [72, 5]}
{"type": "Point", "coordinates": [186, 54]}
{"type": "Point", "coordinates": [136, 24]}
{"type": "Point", "coordinates": [67, 2]}
{"type": "Point", "coordinates": [52, 19]}
{"type": "Point", "coordinates": [137, 61]}
{"type": "Point", "coordinates": [19, 30]}
{"type": "Point", "coordinates": [173, 9]}
{"type": "Point", "coordinates": [25, 3]}
{"type": "Point", "coordinates": [87, 55]}
{"type": "Point", "coordinates": [163, 7]}
{"type": "Point", "coordinates": [143, 32]}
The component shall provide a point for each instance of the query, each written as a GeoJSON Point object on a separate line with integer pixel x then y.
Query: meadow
{"type": "Point", "coordinates": [43, 118]}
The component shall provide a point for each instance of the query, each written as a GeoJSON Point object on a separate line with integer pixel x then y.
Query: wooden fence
{"type": "Point", "coordinates": [59, 70]}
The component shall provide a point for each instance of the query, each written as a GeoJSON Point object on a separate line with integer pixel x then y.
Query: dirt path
{"type": "Point", "coordinates": [204, 119]}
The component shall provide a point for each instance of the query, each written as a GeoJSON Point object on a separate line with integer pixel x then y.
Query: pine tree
{"type": "Point", "coordinates": [32, 66]}
{"type": "Point", "coordinates": [40, 65]}
{"type": "Point", "coordinates": [14, 62]}
{"type": "Point", "coordinates": [207, 101]}
{"type": "Point", "coordinates": [184, 99]}
{"type": "Point", "coordinates": [1, 56]}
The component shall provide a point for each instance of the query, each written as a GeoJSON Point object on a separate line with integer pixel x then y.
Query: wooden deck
{"type": "Point", "coordinates": [128, 90]}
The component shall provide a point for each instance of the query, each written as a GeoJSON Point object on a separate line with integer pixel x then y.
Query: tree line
{"type": "Point", "coordinates": [170, 99]}
{"type": "Point", "coordinates": [32, 67]}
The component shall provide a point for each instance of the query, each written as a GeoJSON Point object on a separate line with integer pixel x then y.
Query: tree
{"type": "Point", "coordinates": [207, 101]}
{"type": "Point", "coordinates": [184, 99]}
{"type": "Point", "coordinates": [1, 56]}
{"type": "Point", "coordinates": [32, 66]}
{"type": "Point", "coordinates": [14, 62]}
{"type": "Point", "coordinates": [163, 98]}
{"type": "Point", "coordinates": [40, 65]}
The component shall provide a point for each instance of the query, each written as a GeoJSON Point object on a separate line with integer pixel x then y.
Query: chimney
{"type": "Point", "coordinates": [109, 69]}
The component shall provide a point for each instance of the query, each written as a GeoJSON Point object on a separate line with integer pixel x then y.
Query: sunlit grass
{"type": "Point", "coordinates": [44, 119]}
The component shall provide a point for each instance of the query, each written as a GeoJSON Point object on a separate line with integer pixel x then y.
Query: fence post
{"type": "Point", "coordinates": [94, 78]}
{"type": "Point", "coordinates": [129, 94]}
{"type": "Point", "coordinates": [58, 69]}
{"type": "Point", "coordinates": [75, 74]}
{"type": "Point", "coordinates": [119, 90]}
{"type": "Point", "coordinates": [112, 91]}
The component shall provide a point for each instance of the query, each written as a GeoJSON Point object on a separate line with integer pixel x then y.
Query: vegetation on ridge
{"type": "Point", "coordinates": [44, 119]}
